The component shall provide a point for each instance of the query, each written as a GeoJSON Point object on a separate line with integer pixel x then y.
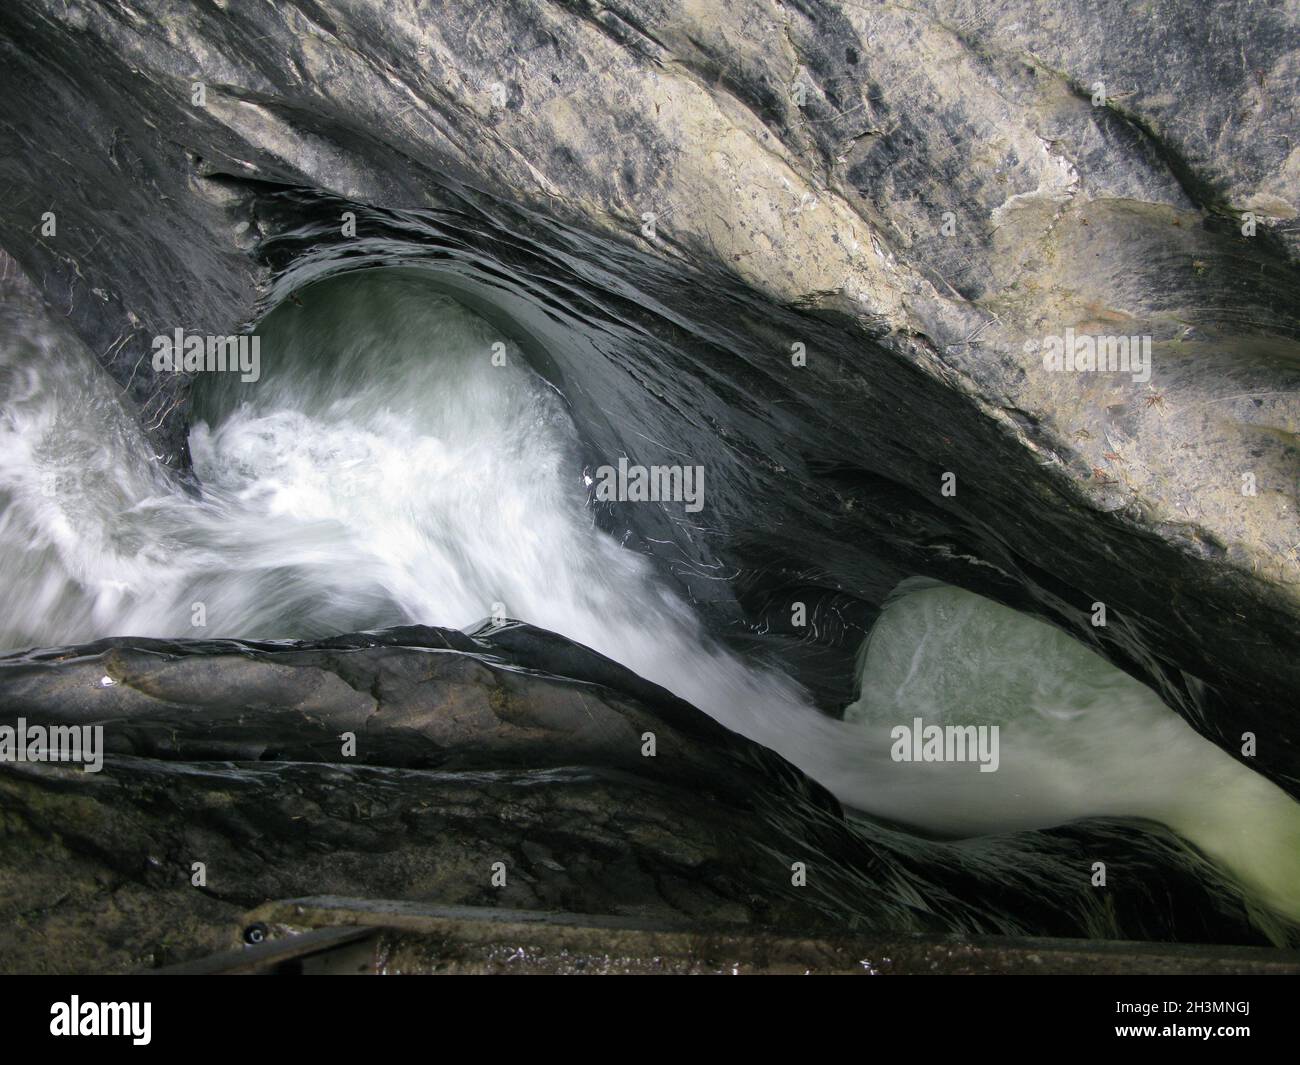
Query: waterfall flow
{"type": "Point", "coordinates": [386, 470]}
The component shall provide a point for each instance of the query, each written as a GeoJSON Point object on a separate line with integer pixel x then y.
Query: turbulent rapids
{"type": "Point", "coordinates": [391, 467]}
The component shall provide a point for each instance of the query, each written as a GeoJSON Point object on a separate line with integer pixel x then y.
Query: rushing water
{"type": "Point", "coordinates": [386, 470]}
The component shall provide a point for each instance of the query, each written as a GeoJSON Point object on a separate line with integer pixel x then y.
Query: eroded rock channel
{"type": "Point", "coordinates": [494, 261]}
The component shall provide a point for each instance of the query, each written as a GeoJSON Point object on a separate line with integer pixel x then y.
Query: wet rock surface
{"type": "Point", "coordinates": [1098, 161]}
{"type": "Point", "coordinates": [794, 163]}
{"type": "Point", "coordinates": [469, 753]}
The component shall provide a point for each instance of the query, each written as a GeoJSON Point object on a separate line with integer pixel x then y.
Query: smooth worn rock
{"type": "Point", "coordinates": [667, 200]}
{"type": "Point", "coordinates": [433, 766]}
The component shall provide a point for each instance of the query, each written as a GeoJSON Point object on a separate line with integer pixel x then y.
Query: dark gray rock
{"type": "Point", "coordinates": [470, 752]}
{"type": "Point", "coordinates": [513, 152]}
{"type": "Point", "coordinates": [799, 159]}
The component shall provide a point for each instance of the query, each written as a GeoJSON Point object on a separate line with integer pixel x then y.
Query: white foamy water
{"type": "Point", "coordinates": [385, 472]}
